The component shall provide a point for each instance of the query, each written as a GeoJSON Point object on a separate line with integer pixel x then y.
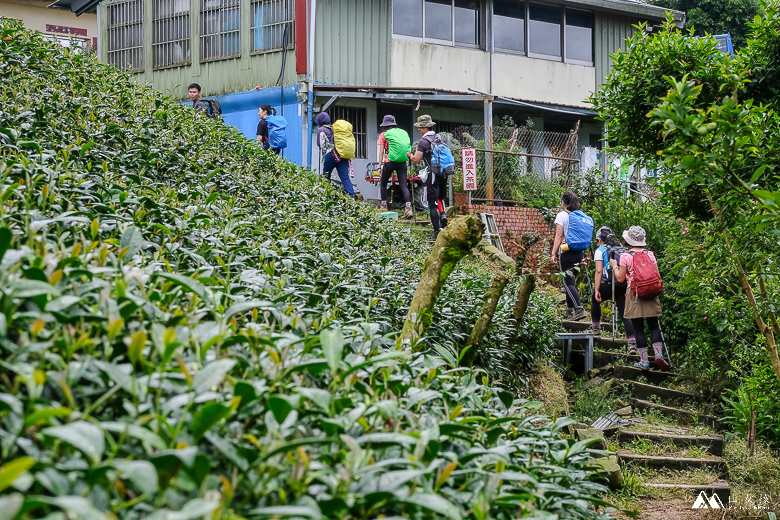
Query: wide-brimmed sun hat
{"type": "Point", "coordinates": [388, 121]}
{"type": "Point", "coordinates": [424, 121]}
{"type": "Point", "coordinates": [635, 236]}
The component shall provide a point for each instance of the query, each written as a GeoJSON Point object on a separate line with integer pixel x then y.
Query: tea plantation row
{"type": "Point", "coordinates": [192, 328]}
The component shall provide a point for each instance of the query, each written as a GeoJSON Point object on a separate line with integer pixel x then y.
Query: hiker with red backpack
{"type": "Point", "coordinates": [639, 268]}
{"type": "Point", "coordinates": [606, 287]}
{"type": "Point", "coordinates": [573, 234]}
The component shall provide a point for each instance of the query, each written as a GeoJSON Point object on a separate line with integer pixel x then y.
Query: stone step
{"type": "Point", "coordinates": [655, 377]}
{"type": "Point", "coordinates": [722, 489]}
{"type": "Point", "coordinates": [577, 326]}
{"type": "Point", "coordinates": [717, 464]}
{"type": "Point", "coordinates": [712, 443]}
{"type": "Point", "coordinates": [686, 416]}
{"type": "Point", "coordinates": [667, 395]}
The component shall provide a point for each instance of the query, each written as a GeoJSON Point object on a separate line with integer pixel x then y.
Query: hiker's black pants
{"type": "Point", "coordinates": [568, 260]}
{"type": "Point", "coordinates": [435, 188]}
{"type": "Point", "coordinates": [620, 301]}
{"type": "Point", "coordinates": [639, 331]}
{"type": "Point", "coordinates": [399, 168]}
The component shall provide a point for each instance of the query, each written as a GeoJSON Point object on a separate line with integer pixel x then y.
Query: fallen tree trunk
{"type": "Point", "coordinates": [453, 243]}
{"type": "Point", "coordinates": [485, 318]}
{"type": "Point", "coordinates": [526, 287]}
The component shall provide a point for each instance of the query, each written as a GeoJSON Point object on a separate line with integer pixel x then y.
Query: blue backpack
{"type": "Point", "coordinates": [580, 231]}
{"type": "Point", "coordinates": [277, 132]}
{"type": "Point", "coordinates": [442, 161]}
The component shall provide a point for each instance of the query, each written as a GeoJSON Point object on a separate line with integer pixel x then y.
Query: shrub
{"type": "Point", "coordinates": [190, 324]}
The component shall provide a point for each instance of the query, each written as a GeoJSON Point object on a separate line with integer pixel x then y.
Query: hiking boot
{"type": "Point", "coordinates": [383, 206]}
{"type": "Point", "coordinates": [596, 332]}
{"type": "Point", "coordinates": [642, 365]}
{"type": "Point", "coordinates": [579, 313]}
{"type": "Point", "coordinates": [408, 213]}
{"type": "Point", "coordinates": [443, 221]}
{"type": "Point", "coordinates": [568, 313]}
{"type": "Point", "coordinates": [631, 349]}
{"type": "Point", "coordinates": [432, 237]}
{"type": "Point", "coordinates": [662, 364]}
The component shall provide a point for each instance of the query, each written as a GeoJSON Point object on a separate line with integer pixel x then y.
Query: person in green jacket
{"type": "Point", "coordinates": [393, 144]}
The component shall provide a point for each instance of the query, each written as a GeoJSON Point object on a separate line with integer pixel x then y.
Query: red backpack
{"type": "Point", "coordinates": [646, 281]}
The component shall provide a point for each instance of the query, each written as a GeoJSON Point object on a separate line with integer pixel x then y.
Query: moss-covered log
{"type": "Point", "coordinates": [453, 243]}
{"type": "Point", "coordinates": [485, 318]}
{"type": "Point", "coordinates": [521, 302]}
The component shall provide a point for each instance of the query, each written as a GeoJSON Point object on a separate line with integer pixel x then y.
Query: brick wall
{"type": "Point", "coordinates": [512, 223]}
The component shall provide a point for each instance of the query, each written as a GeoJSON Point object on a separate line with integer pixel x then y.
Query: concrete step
{"type": "Point", "coordinates": [667, 395]}
{"type": "Point", "coordinates": [655, 377]}
{"type": "Point", "coordinates": [717, 464]}
{"type": "Point", "coordinates": [712, 443]}
{"type": "Point", "coordinates": [722, 489]}
{"type": "Point", "coordinates": [685, 416]}
{"type": "Point", "coordinates": [577, 326]}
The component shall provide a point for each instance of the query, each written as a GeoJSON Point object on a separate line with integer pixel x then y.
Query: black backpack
{"type": "Point", "coordinates": [214, 110]}
{"type": "Point", "coordinates": [613, 253]}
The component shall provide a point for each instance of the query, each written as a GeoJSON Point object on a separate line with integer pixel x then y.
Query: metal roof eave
{"type": "Point", "coordinates": [631, 7]}
{"type": "Point", "coordinates": [413, 96]}
{"type": "Point", "coordinates": [78, 7]}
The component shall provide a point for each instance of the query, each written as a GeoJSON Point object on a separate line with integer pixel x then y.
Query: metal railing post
{"type": "Point", "coordinates": [488, 117]}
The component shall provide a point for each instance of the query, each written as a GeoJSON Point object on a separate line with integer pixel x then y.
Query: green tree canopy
{"type": "Point", "coordinates": [716, 16]}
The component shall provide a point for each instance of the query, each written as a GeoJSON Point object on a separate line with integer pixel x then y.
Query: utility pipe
{"type": "Point", "coordinates": [310, 59]}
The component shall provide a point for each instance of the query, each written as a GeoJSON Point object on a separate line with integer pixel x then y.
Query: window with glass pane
{"type": "Point", "coordinates": [467, 21]}
{"type": "Point", "coordinates": [125, 35]}
{"type": "Point", "coordinates": [407, 18]}
{"type": "Point", "coordinates": [579, 36]}
{"type": "Point", "coordinates": [170, 33]}
{"type": "Point", "coordinates": [438, 19]}
{"type": "Point", "coordinates": [509, 25]}
{"type": "Point", "coordinates": [219, 22]}
{"type": "Point", "coordinates": [544, 30]}
{"type": "Point", "coordinates": [272, 24]}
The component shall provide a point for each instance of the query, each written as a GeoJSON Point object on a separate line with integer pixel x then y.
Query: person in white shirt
{"type": "Point", "coordinates": [568, 261]}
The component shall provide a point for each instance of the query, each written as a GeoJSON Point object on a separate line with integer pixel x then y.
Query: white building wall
{"type": "Point", "coordinates": [36, 17]}
{"type": "Point", "coordinates": [413, 64]}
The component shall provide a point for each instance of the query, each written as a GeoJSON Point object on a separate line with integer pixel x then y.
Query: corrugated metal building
{"type": "Point", "coordinates": [362, 59]}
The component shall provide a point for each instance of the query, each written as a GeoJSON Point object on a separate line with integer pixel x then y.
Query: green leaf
{"type": "Point", "coordinates": [141, 473]}
{"type": "Point", "coordinates": [332, 342]}
{"type": "Point", "coordinates": [207, 417]}
{"type": "Point", "coordinates": [11, 504]}
{"type": "Point", "coordinates": [187, 283]}
{"type": "Point", "coordinates": [287, 512]}
{"type": "Point", "coordinates": [11, 470]}
{"type": "Point", "coordinates": [84, 436]}
{"type": "Point", "coordinates": [44, 415]}
{"type": "Point", "coordinates": [318, 396]}
{"type": "Point", "coordinates": [243, 307]}
{"type": "Point", "coordinates": [136, 347]}
{"type": "Point", "coordinates": [62, 303]}
{"type": "Point", "coordinates": [138, 432]}
{"type": "Point", "coordinates": [133, 240]}
{"type": "Point", "coordinates": [212, 374]}
{"type": "Point", "coordinates": [32, 288]}
{"type": "Point", "coordinates": [228, 450]}
{"type": "Point", "coordinates": [434, 503]}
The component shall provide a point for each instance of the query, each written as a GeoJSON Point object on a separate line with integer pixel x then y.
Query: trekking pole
{"type": "Point", "coordinates": [663, 340]}
{"type": "Point", "coordinates": [614, 305]}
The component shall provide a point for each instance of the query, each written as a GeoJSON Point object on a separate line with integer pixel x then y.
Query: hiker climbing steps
{"type": "Point", "coordinates": [664, 432]}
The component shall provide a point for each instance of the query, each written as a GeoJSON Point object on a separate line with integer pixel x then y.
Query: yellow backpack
{"type": "Point", "coordinates": [343, 139]}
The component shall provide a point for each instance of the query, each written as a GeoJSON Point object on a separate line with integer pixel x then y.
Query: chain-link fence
{"type": "Point", "coordinates": [512, 170]}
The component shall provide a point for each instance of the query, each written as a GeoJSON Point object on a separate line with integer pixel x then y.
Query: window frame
{"type": "Point", "coordinates": [118, 28]}
{"type": "Point", "coordinates": [220, 11]}
{"type": "Point", "coordinates": [290, 5]}
{"type": "Point", "coordinates": [481, 28]}
{"type": "Point", "coordinates": [562, 42]}
{"type": "Point", "coordinates": [566, 59]}
{"type": "Point", "coordinates": [504, 50]}
{"type": "Point", "coordinates": [358, 117]}
{"type": "Point", "coordinates": [186, 23]}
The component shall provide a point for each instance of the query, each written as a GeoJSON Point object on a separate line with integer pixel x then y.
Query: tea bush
{"type": "Point", "coordinates": [193, 328]}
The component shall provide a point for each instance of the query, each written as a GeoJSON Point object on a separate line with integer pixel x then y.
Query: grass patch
{"type": "Point", "coordinates": [547, 386]}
